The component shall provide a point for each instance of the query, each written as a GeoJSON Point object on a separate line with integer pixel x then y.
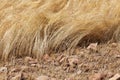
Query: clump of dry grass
{"type": "Point", "coordinates": [35, 27]}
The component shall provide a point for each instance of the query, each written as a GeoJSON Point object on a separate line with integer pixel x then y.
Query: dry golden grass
{"type": "Point", "coordinates": [35, 27]}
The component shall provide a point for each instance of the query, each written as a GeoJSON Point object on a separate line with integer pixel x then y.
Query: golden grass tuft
{"type": "Point", "coordinates": [35, 27]}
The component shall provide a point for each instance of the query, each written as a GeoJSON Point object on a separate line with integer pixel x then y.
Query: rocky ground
{"type": "Point", "coordinates": [96, 62]}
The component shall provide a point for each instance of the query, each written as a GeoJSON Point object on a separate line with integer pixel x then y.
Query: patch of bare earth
{"type": "Point", "coordinates": [97, 62]}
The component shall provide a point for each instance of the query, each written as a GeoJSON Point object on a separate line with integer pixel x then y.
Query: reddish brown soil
{"type": "Point", "coordinates": [78, 65]}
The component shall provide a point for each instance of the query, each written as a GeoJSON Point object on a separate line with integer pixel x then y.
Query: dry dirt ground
{"type": "Point", "coordinates": [97, 62]}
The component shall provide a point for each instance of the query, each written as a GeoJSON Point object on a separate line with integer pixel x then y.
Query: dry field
{"type": "Point", "coordinates": [101, 63]}
{"type": "Point", "coordinates": [59, 39]}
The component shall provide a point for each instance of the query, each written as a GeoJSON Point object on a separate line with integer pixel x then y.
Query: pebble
{"type": "Point", "coordinates": [43, 78]}
{"type": "Point", "coordinates": [93, 46]}
{"type": "Point", "coordinates": [97, 76]}
{"type": "Point", "coordinates": [3, 69]}
{"type": "Point", "coordinates": [115, 77]}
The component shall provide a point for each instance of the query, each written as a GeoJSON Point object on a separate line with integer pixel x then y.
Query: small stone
{"type": "Point", "coordinates": [114, 44]}
{"type": "Point", "coordinates": [33, 65]}
{"type": "Point", "coordinates": [69, 79]}
{"type": "Point", "coordinates": [110, 74]}
{"type": "Point", "coordinates": [93, 46]}
{"type": "Point", "coordinates": [97, 76]}
{"type": "Point", "coordinates": [79, 72]}
{"type": "Point", "coordinates": [117, 56]}
{"type": "Point", "coordinates": [53, 79]}
{"type": "Point", "coordinates": [3, 69]}
{"type": "Point", "coordinates": [46, 57]}
{"type": "Point", "coordinates": [43, 78]}
{"type": "Point", "coordinates": [27, 59]}
{"type": "Point", "coordinates": [33, 62]}
{"type": "Point", "coordinates": [115, 77]}
{"type": "Point", "coordinates": [73, 61]}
